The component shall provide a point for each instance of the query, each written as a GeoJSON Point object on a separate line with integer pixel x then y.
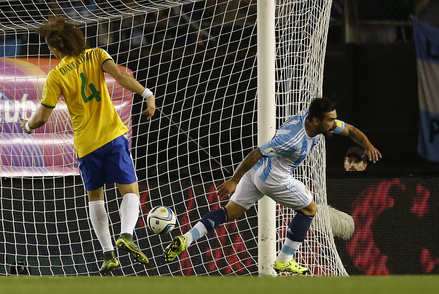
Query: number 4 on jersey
{"type": "Point", "coordinates": [94, 93]}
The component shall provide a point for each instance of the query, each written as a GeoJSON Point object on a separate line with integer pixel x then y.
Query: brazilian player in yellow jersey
{"type": "Point", "coordinates": [102, 149]}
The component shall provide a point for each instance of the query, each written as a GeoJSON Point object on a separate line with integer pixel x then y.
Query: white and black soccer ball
{"type": "Point", "coordinates": [161, 220]}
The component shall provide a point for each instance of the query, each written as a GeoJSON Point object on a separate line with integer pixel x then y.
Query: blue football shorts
{"type": "Point", "coordinates": [111, 163]}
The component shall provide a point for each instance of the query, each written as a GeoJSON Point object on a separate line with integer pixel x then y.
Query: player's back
{"type": "Point", "coordinates": [81, 82]}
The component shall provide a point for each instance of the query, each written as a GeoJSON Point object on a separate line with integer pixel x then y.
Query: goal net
{"type": "Point", "coordinates": [200, 60]}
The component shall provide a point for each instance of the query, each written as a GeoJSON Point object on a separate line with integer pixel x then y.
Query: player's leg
{"type": "Point", "coordinates": [214, 219]}
{"type": "Point", "coordinates": [90, 167]}
{"type": "Point", "coordinates": [297, 230]}
{"type": "Point", "coordinates": [296, 234]}
{"type": "Point", "coordinates": [295, 196]}
{"type": "Point", "coordinates": [119, 168]}
{"type": "Point", "coordinates": [245, 196]}
{"type": "Point", "coordinates": [129, 215]}
{"type": "Point", "coordinates": [129, 207]}
{"type": "Point", "coordinates": [208, 223]}
{"type": "Point", "coordinates": [99, 221]}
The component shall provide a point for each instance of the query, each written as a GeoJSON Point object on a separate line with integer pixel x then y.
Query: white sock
{"type": "Point", "coordinates": [129, 212]}
{"type": "Point", "coordinates": [198, 231]}
{"type": "Point", "coordinates": [288, 250]}
{"type": "Point", "coordinates": [99, 221]}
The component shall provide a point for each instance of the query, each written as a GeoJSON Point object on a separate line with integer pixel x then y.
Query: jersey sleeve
{"type": "Point", "coordinates": [340, 126]}
{"type": "Point", "coordinates": [106, 55]}
{"type": "Point", "coordinates": [268, 150]}
{"type": "Point", "coordinates": [103, 56]}
{"type": "Point", "coordinates": [277, 146]}
{"type": "Point", "coordinates": [51, 91]}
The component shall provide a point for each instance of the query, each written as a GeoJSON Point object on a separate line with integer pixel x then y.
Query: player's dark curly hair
{"type": "Point", "coordinates": [63, 35]}
{"type": "Point", "coordinates": [319, 107]}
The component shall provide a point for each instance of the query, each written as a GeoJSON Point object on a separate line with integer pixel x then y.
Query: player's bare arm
{"type": "Point", "coordinates": [40, 118]}
{"type": "Point", "coordinates": [360, 138]}
{"type": "Point", "coordinates": [226, 189]}
{"type": "Point", "coordinates": [150, 107]}
{"type": "Point", "coordinates": [131, 84]}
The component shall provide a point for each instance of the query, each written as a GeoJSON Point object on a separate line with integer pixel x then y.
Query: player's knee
{"type": "Point", "coordinates": [231, 216]}
{"type": "Point", "coordinates": [311, 209]}
{"type": "Point", "coordinates": [234, 210]}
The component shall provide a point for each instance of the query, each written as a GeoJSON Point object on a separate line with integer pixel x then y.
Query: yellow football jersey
{"type": "Point", "coordinates": [81, 81]}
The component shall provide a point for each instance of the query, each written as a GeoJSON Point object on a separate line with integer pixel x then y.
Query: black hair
{"type": "Point", "coordinates": [319, 107]}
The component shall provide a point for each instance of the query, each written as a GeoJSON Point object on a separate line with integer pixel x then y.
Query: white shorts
{"type": "Point", "coordinates": [290, 193]}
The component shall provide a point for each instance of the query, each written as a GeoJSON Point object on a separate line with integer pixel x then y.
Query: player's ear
{"type": "Point", "coordinates": [315, 121]}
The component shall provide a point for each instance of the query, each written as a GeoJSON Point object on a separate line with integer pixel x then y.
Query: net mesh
{"type": "Point", "coordinates": [200, 60]}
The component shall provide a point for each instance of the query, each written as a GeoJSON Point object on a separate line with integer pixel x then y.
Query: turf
{"type": "Point", "coordinates": [212, 285]}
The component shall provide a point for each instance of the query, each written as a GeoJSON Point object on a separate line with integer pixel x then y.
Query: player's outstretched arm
{"type": "Point", "coordinates": [360, 138]}
{"type": "Point", "coordinates": [131, 84]}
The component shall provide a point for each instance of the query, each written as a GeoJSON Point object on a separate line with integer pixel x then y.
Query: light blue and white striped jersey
{"type": "Point", "coordinates": [288, 148]}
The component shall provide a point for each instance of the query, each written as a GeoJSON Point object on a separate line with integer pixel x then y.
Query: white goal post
{"type": "Point", "coordinates": [266, 44]}
{"type": "Point", "coordinates": [226, 74]}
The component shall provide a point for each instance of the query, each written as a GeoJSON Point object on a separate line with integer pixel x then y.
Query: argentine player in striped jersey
{"type": "Point", "coordinates": [267, 170]}
{"type": "Point", "coordinates": [102, 150]}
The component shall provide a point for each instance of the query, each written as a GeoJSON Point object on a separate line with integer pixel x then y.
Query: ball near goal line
{"type": "Point", "coordinates": [161, 220]}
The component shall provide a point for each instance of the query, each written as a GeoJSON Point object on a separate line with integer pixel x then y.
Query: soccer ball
{"type": "Point", "coordinates": [161, 220]}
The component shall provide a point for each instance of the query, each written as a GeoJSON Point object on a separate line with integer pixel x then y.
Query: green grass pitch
{"type": "Point", "coordinates": [212, 285]}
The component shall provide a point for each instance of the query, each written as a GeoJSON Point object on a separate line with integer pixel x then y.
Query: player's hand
{"type": "Point", "coordinates": [372, 154]}
{"type": "Point", "coordinates": [150, 108]}
{"type": "Point", "coordinates": [226, 189]}
{"type": "Point", "coordinates": [149, 111]}
{"type": "Point", "coordinates": [23, 125]}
